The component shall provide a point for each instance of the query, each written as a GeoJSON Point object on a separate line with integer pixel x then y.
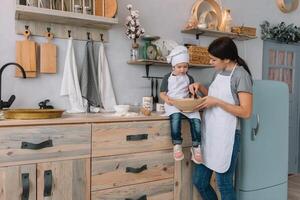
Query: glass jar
{"type": "Point", "coordinates": [227, 21]}
{"type": "Point", "coordinates": [134, 52]}
{"type": "Point", "coordinates": [77, 9]}
{"type": "Point", "coordinates": [1, 115]}
{"type": "Point", "coordinates": [87, 10]}
{"type": "Point", "coordinates": [164, 50]}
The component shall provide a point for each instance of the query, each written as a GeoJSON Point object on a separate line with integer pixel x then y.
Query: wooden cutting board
{"type": "Point", "coordinates": [26, 56]}
{"type": "Point", "coordinates": [48, 56]}
{"type": "Point", "coordinates": [106, 8]}
{"type": "Point", "coordinates": [110, 8]}
{"type": "Point", "coordinates": [99, 7]}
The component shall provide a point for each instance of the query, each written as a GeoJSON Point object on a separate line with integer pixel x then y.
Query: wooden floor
{"type": "Point", "coordinates": [294, 187]}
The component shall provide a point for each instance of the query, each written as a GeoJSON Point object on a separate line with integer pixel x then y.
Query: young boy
{"type": "Point", "coordinates": [175, 85]}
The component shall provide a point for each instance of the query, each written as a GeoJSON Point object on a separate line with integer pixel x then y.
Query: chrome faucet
{"type": "Point", "coordinates": [7, 104]}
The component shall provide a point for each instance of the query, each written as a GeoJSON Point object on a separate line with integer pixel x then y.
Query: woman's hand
{"type": "Point", "coordinates": [208, 102]}
{"type": "Point", "coordinates": [244, 110]}
{"type": "Point", "coordinates": [194, 87]}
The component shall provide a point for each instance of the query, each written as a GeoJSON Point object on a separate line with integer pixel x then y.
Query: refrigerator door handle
{"type": "Point", "coordinates": [255, 129]}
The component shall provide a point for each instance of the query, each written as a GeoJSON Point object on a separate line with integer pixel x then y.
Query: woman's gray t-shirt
{"type": "Point", "coordinates": [241, 81]}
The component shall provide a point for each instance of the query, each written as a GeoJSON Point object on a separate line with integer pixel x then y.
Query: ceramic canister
{"type": "Point", "coordinates": [160, 108]}
{"type": "Point", "coordinates": [148, 103]}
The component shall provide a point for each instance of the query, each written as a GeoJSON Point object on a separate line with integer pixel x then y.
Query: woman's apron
{"type": "Point", "coordinates": [219, 127]}
{"type": "Point", "coordinates": [178, 89]}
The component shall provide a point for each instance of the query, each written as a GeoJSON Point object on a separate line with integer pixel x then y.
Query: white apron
{"type": "Point", "coordinates": [219, 127]}
{"type": "Point", "coordinates": [178, 89]}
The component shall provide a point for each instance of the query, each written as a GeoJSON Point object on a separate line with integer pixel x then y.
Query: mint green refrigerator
{"type": "Point", "coordinates": [262, 172]}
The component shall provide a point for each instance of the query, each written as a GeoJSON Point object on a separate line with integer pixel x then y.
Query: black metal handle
{"type": "Point", "coordinates": [136, 170]}
{"type": "Point", "coordinates": [144, 197]}
{"type": "Point", "coordinates": [25, 185]}
{"type": "Point", "coordinates": [47, 183]}
{"type": "Point", "coordinates": [42, 145]}
{"type": "Point", "coordinates": [137, 137]}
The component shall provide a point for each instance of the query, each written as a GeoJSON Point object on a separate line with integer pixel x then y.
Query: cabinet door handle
{"type": "Point", "coordinates": [42, 145]}
{"type": "Point", "coordinates": [25, 185]}
{"type": "Point", "coordinates": [47, 183]}
{"type": "Point", "coordinates": [136, 170]}
{"type": "Point", "coordinates": [255, 129]}
{"type": "Point", "coordinates": [137, 137]}
{"type": "Point", "coordinates": [144, 197]}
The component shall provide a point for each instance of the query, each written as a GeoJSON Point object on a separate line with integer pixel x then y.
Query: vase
{"type": "Point", "coordinates": [134, 52]}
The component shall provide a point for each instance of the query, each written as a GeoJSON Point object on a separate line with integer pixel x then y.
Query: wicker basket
{"type": "Point", "coordinates": [199, 55]}
{"type": "Point", "coordinates": [243, 30]}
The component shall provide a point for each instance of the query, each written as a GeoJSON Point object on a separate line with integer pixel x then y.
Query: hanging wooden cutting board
{"type": "Point", "coordinates": [99, 7]}
{"type": "Point", "coordinates": [110, 8]}
{"type": "Point", "coordinates": [48, 56]}
{"type": "Point", "coordinates": [26, 56]}
{"type": "Point", "coordinates": [106, 8]}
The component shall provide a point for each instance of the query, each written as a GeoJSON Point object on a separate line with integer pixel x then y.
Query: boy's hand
{"type": "Point", "coordinates": [169, 101]}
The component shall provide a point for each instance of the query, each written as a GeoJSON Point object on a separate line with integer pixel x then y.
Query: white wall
{"type": "Point", "coordinates": [159, 17]}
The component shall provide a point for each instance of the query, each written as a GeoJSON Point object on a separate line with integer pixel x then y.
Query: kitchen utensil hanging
{"type": "Point", "coordinates": [155, 98]}
{"type": "Point", "coordinates": [152, 85]}
{"type": "Point", "coordinates": [48, 55]}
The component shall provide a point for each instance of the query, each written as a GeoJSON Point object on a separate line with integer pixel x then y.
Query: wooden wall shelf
{"type": "Point", "coordinates": [148, 63]}
{"type": "Point", "coordinates": [215, 33]}
{"type": "Point", "coordinates": [162, 63]}
{"type": "Point", "coordinates": [63, 17]}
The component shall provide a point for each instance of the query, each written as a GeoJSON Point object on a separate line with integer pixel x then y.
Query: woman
{"type": "Point", "coordinates": [229, 99]}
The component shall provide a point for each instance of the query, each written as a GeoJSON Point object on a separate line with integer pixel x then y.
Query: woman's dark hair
{"type": "Point", "coordinates": [225, 48]}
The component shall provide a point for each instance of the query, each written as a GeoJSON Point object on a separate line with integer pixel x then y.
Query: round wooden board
{"type": "Point", "coordinates": [111, 7]}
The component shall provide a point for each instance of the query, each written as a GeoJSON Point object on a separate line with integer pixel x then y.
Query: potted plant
{"type": "Point", "coordinates": [133, 30]}
{"type": "Point", "coordinates": [281, 32]}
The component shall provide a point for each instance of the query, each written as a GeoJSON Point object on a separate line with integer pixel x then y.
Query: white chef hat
{"type": "Point", "coordinates": [178, 55]}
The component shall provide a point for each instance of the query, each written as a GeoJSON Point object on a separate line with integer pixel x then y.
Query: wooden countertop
{"type": "Point", "coordinates": [81, 118]}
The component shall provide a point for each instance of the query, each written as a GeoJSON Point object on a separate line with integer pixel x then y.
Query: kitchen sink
{"type": "Point", "coordinates": [32, 113]}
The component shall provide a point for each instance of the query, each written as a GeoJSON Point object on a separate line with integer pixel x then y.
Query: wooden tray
{"type": "Point", "coordinates": [32, 113]}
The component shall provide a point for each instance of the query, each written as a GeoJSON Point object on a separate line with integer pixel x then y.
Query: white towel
{"type": "Point", "coordinates": [70, 83]}
{"type": "Point", "coordinates": [106, 90]}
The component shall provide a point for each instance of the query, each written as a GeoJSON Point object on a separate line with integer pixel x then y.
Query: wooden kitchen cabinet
{"type": "Point", "coordinates": [61, 180]}
{"type": "Point", "coordinates": [18, 181]}
{"type": "Point", "coordinates": [146, 148]}
{"type": "Point", "coordinates": [95, 160]}
{"type": "Point", "coordinates": [65, 180]}
{"type": "Point", "coordinates": [183, 184]}
{"type": "Point", "coordinates": [45, 162]}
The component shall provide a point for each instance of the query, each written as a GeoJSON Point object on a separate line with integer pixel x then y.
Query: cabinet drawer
{"type": "Point", "coordinates": [133, 137]}
{"type": "Point", "coordinates": [116, 171]}
{"type": "Point", "coordinates": [20, 145]}
{"type": "Point", "coordinates": [156, 190]}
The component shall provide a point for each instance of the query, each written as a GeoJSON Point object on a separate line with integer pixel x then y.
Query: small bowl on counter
{"type": "Point", "coordinates": [121, 109]}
